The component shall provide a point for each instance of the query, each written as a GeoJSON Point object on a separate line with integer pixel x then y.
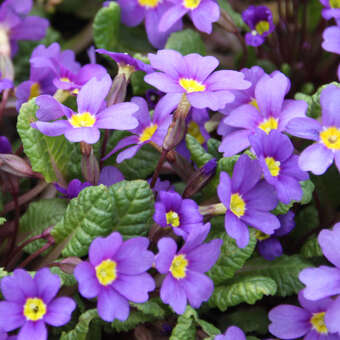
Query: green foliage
{"type": "Point", "coordinates": [213, 145]}
{"type": "Point", "coordinates": [51, 156]}
{"type": "Point", "coordinates": [306, 221]}
{"type": "Point", "coordinates": [186, 42]}
{"type": "Point", "coordinates": [198, 153]}
{"type": "Point", "coordinates": [87, 216]}
{"type": "Point", "coordinates": [2, 220]}
{"type": "Point", "coordinates": [248, 288]}
{"type": "Point", "coordinates": [133, 207]}
{"type": "Point", "coordinates": [82, 327]}
{"type": "Point", "coordinates": [139, 86]}
{"type": "Point", "coordinates": [235, 16]}
{"type": "Point", "coordinates": [39, 216]}
{"type": "Point", "coordinates": [311, 248]}
{"type": "Point", "coordinates": [66, 279]}
{"type": "Point", "coordinates": [106, 27]}
{"type": "Point", "coordinates": [283, 270]}
{"type": "Point", "coordinates": [3, 273]}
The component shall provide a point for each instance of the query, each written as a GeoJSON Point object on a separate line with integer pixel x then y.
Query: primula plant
{"type": "Point", "coordinates": [169, 169]}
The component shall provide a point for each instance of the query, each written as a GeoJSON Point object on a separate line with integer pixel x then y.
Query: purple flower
{"type": "Point", "coordinates": [268, 111]}
{"type": "Point", "coordinates": [5, 145]}
{"type": "Point", "coordinates": [110, 175]}
{"type": "Point", "coordinates": [135, 11]}
{"type": "Point", "coordinates": [260, 21]}
{"type": "Point", "coordinates": [84, 126]}
{"type": "Point", "coordinates": [331, 39]}
{"type": "Point", "coordinates": [125, 60]}
{"type": "Point", "coordinates": [115, 274]}
{"type": "Point", "coordinates": [247, 200]}
{"type": "Point", "coordinates": [73, 189]}
{"type": "Point", "coordinates": [280, 167]}
{"type": "Point", "coordinates": [203, 14]}
{"type": "Point", "coordinates": [269, 246]}
{"type": "Point", "coordinates": [331, 10]}
{"type": "Point", "coordinates": [324, 281]}
{"type": "Point", "coordinates": [30, 303]}
{"type": "Point", "coordinates": [161, 185]}
{"type": "Point", "coordinates": [5, 84]}
{"type": "Point", "coordinates": [4, 336]}
{"type": "Point", "coordinates": [314, 321]}
{"type": "Point", "coordinates": [232, 333]}
{"type": "Point", "coordinates": [182, 215]}
{"type": "Point", "coordinates": [15, 24]}
{"type": "Point", "coordinates": [319, 156]}
{"type": "Point", "coordinates": [193, 75]}
{"type": "Point", "coordinates": [184, 269]}
{"type": "Point", "coordinates": [148, 131]}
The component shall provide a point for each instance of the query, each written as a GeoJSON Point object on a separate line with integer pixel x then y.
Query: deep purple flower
{"type": "Point", "coordinates": [314, 321]}
{"type": "Point", "coordinates": [268, 111]}
{"type": "Point", "coordinates": [319, 156]}
{"type": "Point", "coordinates": [279, 165]}
{"type": "Point", "coordinates": [203, 14]}
{"type": "Point", "coordinates": [247, 200]}
{"type": "Point", "coordinates": [30, 303]}
{"type": "Point", "coordinates": [5, 84]}
{"type": "Point", "coordinates": [84, 126]}
{"type": "Point", "coordinates": [184, 269]}
{"type": "Point", "coordinates": [110, 175]}
{"type": "Point", "coordinates": [260, 21]}
{"type": "Point", "coordinates": [15, 24]}
{"type": "Point", "coordinates": [232, 333]}
{"type": "Point", "coordinates": [135, 11]}
{"type": "Point", "coordinates": [4, 336]}
{"type": "Point", "coordinates": [161, 185]}
{"type": "Point", "coordinates": [324, 281]}
{"type": "Point", "coordinates": [331, 10]}
{"type": "Point", "coordinates": [73, 189]}
{"type": "Point", "coordinates": [182, 215]}
{"type": "Point", "coordinates": [269, 246]}
{"type": "Point", "coordinates": [148, 131]}
{"type": "Point", "coordinates": [125, 60]}
{"type": "Point", "coordinates": [331, 39]}
{"type": "Point", "coordinates": [116, 274]}
{"type": "Point", "coordinates": [5, 145]}
{"type": "Point", "coordinates": [193, 75]}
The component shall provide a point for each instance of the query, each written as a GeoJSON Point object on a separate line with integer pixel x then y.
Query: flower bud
{"type": "Point", "coordinates": [15, 165]}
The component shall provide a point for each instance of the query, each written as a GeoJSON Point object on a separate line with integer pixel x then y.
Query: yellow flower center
{"type": "Point", "coordinates": [237, 205]}
{"type": "Point", "coordinates": [149, 3]}
{"type": "Point", "coordinates": [179, 266]}
{"type": "Point", "coordinates": [106, 272]}
{"type": "Point", "coordinates": [34, 309]}
{"type": "Point", "coordinates": [147, 133]}
{"type": "Point", "coordinates": [262, 27]}
{"type": "Point", "coordinates": [318, 322]}
{"type": "Point", "coordinates": [172, 218]}
{"type": "Point", "coordinates": [254, 103]}
{"type": "Point", "coordinates": [194, 130]}
{"type": "Point", "coordinates": [334, 3]}
{"type": "Point", "coordinates": [34, 91]}
{"type": "Point", "coordinates": [331, 138]}
{"type": "Point", "coordinates": [261, 236]}
{"type": "Point", "coordinates": [191, 4]}
{"type": "Point", "coordinates": [273, 166]}
{"type": "Point", "coordinates": [269, 124]}
{"type": "Point", "coordinates": [65, 79]}
{"type": "Point", "coordinates": [191, 85]}
{"type": "Point", "coordinates": [82, 120]}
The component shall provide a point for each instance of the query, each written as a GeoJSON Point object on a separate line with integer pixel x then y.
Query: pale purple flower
{"type": "Point", "coordinates": [203, 14]}
{"type": "Point", "coordinates": [268, 111]}
{"type": "Point", "coordinates": [260, 21]}
{"type": "Point", "coordinates": [185, 268]}
{"type": "Point", "coordinates": [30, 303]}
{"type": "Point", "coordinates": [319, 156]}
{"type": "Point", "coordinates": [116, 274]}
{"type": "Point", "coordinates": [5, 84]}
{"type": "Point", "coordinates": [193, 75]}
{"type": "Point", "coordinates": [232, 333]}
{"type": "Point", "coordinates": [248, 201]}
{"type": "Point", "coordinates": [92, 115]}
{"type": "Point", "coordinates": [331, 10]}
{"type": "Point", "coordinates": [331, 39]}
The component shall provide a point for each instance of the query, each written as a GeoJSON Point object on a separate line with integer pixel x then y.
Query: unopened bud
{"type": "Point", "coordinates": [5, 46]}
{"type": "Point", "coordinates": [6, 66]}
{"type": "Point", "coordinates": [200, 178]}
{"type": "Point", "coordinates": [213, 209]}
{"type": "Point", "coordinates": [15, 165]}
{"type": "Point", "coordinates": [89, 164]}
{"type": "Point", "coordinates": [118, 90]}
{"type": "Point", "coordinates": [67, 265]}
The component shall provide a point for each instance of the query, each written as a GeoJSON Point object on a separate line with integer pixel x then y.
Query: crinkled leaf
{"type": "Point", "coordinates": [66, 279]}
{"type": "Point", "coordinates": [186, 42]}
{"type": "Point", "coordinates": [213, 145]}
{"type": "Point", "coordinates": [87, 216]}
{"type": "Point", "coordinates": [307, 188]}
{"type": "Point", "coordinates": [311, 248]}
{"type": "Point", "coordinates": [185, 328]}
{"type": "Point", "coordinates": [249, 289]}
{"type": "Point", "coordinates": [198, 153]}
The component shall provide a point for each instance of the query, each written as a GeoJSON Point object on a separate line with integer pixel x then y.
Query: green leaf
{"type": "Point", "coordinates": [283, 270]}
{"type": "Point", "coordinates": [213, 145]}
{"type": "Point", "coordinates": [198, 153]}
{"type": "Point", "coordinates": [185, 328]}
{"type": "Point", "coordinates": [208, 328]}
{"type": "Point", "coordinates": [139, 86]}
{"type": "Point", "coordinates": [3, 273]}
{"type": "Point", "coordinates": [311, 248]}
{"type": "Point", "coordinates": [141, 165]}
{"type": "Point", "coordinates": [106, 27]}
{"type": "Point", "coordinates": [307, 188]}
{"type": "Point", "coordinates": [2, 220]}
{"type": "Point", "coordinates": [39, 216]}
{"type": "Point", "coordinates": [232, 258]}
{"type": "Point", "coordinates": [133, 206]}
{"type": "Point", "coordinates": [87, 216]}
{"type": "Point", "coordinates": [306, 221]}
{"type": "Point", "coordinates": [186, 42]}
{"type": "Point", "coordinates": [236, 17]}
{"type": "Point", "coordinates": [50, 156]}
{"type": "Point", "coordinates": [82, 327]}
{"type": "Point", "coordinates": [282, 208]}
{"type": "Point", "coordinates": [247, 289]}
{"type": "Point", "coordinates": [66, 279]}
